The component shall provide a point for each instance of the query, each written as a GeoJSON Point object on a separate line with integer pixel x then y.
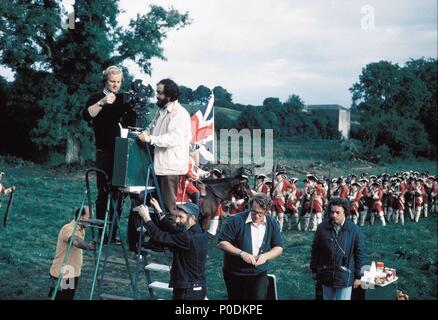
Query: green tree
{"type": "Point", "coordinates": [222, 98]}
{"type": "Point", "coordinates": [71, 60]}
{"type": "Point", "coordinates": [388, 101]}
{"type": "Point", "coordinates": [272, 103]}
{"type": "Point", "coordinates": [425, 70]}
{"type": "Point", "coordinates": [201, 93]}
{"type": "Point", "coordinates": [186, 94]}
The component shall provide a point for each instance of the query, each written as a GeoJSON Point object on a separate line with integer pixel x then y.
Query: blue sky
{"type": "Point", "coordinates": [315, 49]}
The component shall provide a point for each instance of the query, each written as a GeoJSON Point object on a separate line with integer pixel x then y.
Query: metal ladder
{"type": "Point", "coordinates": [103, 253]}
{"type": "Point", "coordinates": [144, 261]}
{"type": "Point", "coordinates": [105, 248]}
{"type": "Point", "coordinates": [96, 224]}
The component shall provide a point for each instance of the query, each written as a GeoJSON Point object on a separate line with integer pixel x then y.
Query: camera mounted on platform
{"type": "Point", "coordinates": [138, 98]}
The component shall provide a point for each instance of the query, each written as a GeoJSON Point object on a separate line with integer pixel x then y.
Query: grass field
{"type": "Point", "coordinates": [45, 198]}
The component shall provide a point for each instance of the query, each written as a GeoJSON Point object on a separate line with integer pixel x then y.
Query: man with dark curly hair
{"type": "Point", "coordinates": [338, 253]}
{"type": "Point", "coordinates": [170, 134]}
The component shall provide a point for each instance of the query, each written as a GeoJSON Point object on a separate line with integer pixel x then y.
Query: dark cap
{"type": "Point", "coordinates": [189, 208]}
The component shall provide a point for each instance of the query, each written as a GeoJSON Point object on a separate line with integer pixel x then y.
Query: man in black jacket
{"type": "Point", "coordinates": [106, 109]}
{"type": "Point", "coordinates": [250, 240]}
{"type": "Point", "coordinates": [338, 253]}
{"type": "Point", "coordinates": [189, 247]}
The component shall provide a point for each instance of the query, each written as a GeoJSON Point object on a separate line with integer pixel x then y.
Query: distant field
{"type": "Point", "coordinates": [45, 199]}
{"type": "Point", "coordinates": [321, 157]}
{"type": "Point", "coordinates": [222, 115]}
{"type": "Point", "coordinates": [225, 115]}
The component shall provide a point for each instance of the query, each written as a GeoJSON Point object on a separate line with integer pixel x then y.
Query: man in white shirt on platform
{"type": "Point", "coordinates": [170, 134]}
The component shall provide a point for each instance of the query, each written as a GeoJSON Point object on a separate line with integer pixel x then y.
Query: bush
{"type": "Point", "coordinates": [383, 154]}
{"type": "Point", "coordinates": [13, 161]}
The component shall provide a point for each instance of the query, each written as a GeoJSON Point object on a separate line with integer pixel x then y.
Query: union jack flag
{"type": "Point", "coordinates": [203, 132]}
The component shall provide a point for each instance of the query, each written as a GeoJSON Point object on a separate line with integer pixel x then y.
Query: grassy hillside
{"type": "Point", "coordinates": [45, 197]}
{"type": "Point", "coordinates": [231, 114]}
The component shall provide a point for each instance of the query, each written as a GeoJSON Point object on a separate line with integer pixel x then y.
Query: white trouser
{"type": "Point", "coordinates": [400, 214]}
{"type": "Point", "coordinates": [280, 218]}
{"type": "Point", "coordinates": [425, 210]}
{"type": "Point", "coordinates": [212, 228]}
{"type": "Point", "coordinates": [363, 215]}
{"type": "Point", "coordinates": [306, 221]}
{"type": "Point", "coordinates": [382, 218]}
{"type": "Point", "coordinates": [417, 213]}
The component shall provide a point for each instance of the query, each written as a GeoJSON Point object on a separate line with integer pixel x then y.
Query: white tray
{"type": "Point", "coordinates": [386, 283]}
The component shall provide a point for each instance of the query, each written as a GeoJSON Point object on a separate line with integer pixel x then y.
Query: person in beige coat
{"type": "Point", "coordinates": [170, 134]}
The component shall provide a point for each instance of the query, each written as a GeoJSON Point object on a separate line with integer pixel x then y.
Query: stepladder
{"type": "Point", "coordinates": [113, 270]}
{"type": "Point", "coordinates": [101, 234]}
{"type": "Point", "coordinates": [112, 263]}
{"type": "Point", "coordinates": [154, 261]}
{"type": "Point", "coordinates": [154, 266]}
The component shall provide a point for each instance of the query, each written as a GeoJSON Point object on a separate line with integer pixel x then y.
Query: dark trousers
{"type": "Point", "coordinates": [189, 294]}
{"type": "Point", "coordinates": [246, 287]}
{"type": "Point", "coordinates": [169, 190]}
{"type": "Point", "coordinates": [63, 294]}
{"type": "Point", "coordinates": [105, 162]}
{"type": "Point", "coordinates": [134, 222]}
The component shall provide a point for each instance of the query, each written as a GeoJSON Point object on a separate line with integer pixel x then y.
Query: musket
{"type": "Point", "coordinates": [5, 218]}
{"type": "Point", "coordinates": [329, 182]}
{"type": "Point", "coordinates": [274, 168]}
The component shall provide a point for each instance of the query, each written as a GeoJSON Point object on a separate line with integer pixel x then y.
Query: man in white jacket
{"type": "Point", "coordinates": [170, 134]}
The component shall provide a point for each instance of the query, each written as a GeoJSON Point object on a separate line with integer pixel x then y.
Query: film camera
{"type": "Point", "coordinates": [138, 98]}
{"type": "Point", "coordinates": [131, 158]}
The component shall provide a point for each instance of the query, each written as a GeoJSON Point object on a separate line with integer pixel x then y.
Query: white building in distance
{"type": "Point", "coordinates": [339, 114]}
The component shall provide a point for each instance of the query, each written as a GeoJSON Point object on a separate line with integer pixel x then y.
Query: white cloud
{"type": "Point", "coordinates": [262, 48]}
{"type": "Point", "coordinates": [315, 49]}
